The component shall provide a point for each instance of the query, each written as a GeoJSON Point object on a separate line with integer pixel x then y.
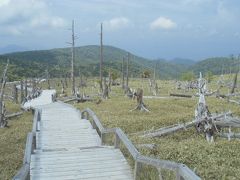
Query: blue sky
{"type": "Point", "coordinates": [194, 29]}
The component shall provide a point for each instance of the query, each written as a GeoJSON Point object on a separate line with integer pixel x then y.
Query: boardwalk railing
{"type": "Point", "coordinates": [182, 171]}
{"type": "Point", "coordinates": [23, 173]}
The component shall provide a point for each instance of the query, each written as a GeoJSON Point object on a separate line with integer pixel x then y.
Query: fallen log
{"type": "Point", "coordinates": [181, 95]}
{"type": "Point", "coordinates": [9, 116]}
{"type": "Point", "coordinates": [230, 135]}
{"type": "Point", "coordinates": [177, 127]}
{"type": "Point", "coordinates": [148, 146]}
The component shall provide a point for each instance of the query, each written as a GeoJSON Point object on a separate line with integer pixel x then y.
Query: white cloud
{"type": "Point", "coordinates": [19, 16]}
{"type": "Point", "coordinates": [116, 23]}
{"type": "Point", "coordinates": [42, 20]}
{"type": "Point", "coordinates": [4, 2]}
{"type": "Point", "coordinates": [162, 23]}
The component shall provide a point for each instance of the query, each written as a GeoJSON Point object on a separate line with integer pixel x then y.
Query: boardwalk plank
{"type": "Point", "coordinates": [69, 148]}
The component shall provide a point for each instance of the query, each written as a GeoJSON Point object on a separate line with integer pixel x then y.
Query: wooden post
{"type": "Point", "coordinates": [101, 58]}
{"type": "Point", "coordinates": [136, 169]}
{"type": "Point", "coordinates": [73, 59]}
{"type": "Point", "coordinates": [123, 81]}
{"type": "Point", "coordinates": [117, 141]}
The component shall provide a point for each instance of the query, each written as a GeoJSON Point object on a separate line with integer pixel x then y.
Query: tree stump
{"type": "Point", "coordinates": [106, 92]}
{"type": "Point", "coordinates": [140, 104]}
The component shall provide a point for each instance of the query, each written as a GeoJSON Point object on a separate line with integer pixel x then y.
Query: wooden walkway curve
{"type": "Point", "coordinates": [64, 145]}
{"type": "Point", "coordinates": [67, 147]}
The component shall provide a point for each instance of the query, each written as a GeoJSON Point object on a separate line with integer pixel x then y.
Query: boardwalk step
{"type": "Point", "coordinates": [69, 148]}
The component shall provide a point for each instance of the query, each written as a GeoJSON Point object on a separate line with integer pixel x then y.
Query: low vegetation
{"type": "Point", "coordinates": [12, 142]}
{"type": "Point", "coordinates": [210, 161]}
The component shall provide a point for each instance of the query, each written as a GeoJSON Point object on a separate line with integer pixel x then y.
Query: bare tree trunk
{"type": "Point", "coordinates": [140, 105]}
{"type": "Point", "coordinates": [106, 90]}
{"type": "Point", "coordinates": [101, 58]}
{"type": "Point", "coordinates": [3, 121]}
{"type": "Point", "coordinates": [65, 81]}
{"type": "Point", "coordinates": [123, 80]}
{"type": "Point", "coordinates": [128, 57]}
{"type": "Point", "coordinates": [49, 86]}
{"type": "Point", "coordinates": [21, 91]}
{"type": "Point", "coordinates": [109, 80]}
{"type": "Point", "coordinates": [73, 59]}
{"type": "Point", "coordinates": [15, 93]}
{"type": "Point", "coordinates": [63, 89]}
{"type": "Point", "coordinates": [25, 89]}
{"type": "Point", "coordinates": [234, 83]}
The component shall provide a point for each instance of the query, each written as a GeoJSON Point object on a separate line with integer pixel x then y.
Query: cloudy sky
{"type": "Point", "coordinates": [193, 29]}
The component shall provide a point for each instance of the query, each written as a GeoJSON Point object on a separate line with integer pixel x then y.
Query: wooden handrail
{"type": "Point", "coordinates": [182, 171]}
{"type": "Point", "coordinates": [23, 173]}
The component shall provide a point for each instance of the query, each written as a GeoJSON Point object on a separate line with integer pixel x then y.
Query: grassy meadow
{"type": "Point", "coordinates": [12, 141]}
{"type": "Point", "coordinates": [219, 160]}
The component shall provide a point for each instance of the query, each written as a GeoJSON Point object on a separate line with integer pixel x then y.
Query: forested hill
{"type": "Point", "coordinates": [57, 61]}
{"type": "Point", "coordinates": [216, 65]}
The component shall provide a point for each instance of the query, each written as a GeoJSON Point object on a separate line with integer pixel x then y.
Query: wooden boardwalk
{"type": "Point", "coordinates": [67, 147]}
{"type": "Point", "coordinates": [44, 99]}
{"type": "Point", "coordinates": [63, 145]}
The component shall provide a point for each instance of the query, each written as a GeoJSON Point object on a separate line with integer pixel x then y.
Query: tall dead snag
{"type": "Point", "coordinates": [123, 80]}
{"type": "Point", "coordinates": [15, 93]}
{"type": "Point", "coordinates": [101, 59]}
{"type": "Point", "coordinates": [234, 83]}
{"type": "Point", "coordinates": [21, 91]}
{"type": "Point", "coordinates": [127, 73]}
{"type": "Point", "coordinates": [3, 120]}
{"type": "Point", "coordinates": [140, 104]}
{"type": "Point", "coordinates": [109, 80]}
{"type": "Point", "coordinates": [25, 89]}
{"type": "Point", "coordinates": [206, 126]}
{"type": "Point", "coordinates": [73, 59]}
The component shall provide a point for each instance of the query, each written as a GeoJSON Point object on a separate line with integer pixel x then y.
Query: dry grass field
{"type": "Point", "coordinates": [12, 142]}
{"type": "Point", "coordinates": [219, 160]}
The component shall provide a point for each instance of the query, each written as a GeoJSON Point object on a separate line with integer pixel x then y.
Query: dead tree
{"type": "Point", "coordinates": [3, 120]}
{"type": "Point", "coordinates": [21, 91]}
{"type": "Point", "coordinates": [106, 90]}
{"type": "Point", "coordinates": [109, 80]}
{"type": "Point", "coordinates": [101, 59]}
{"type": "Point", "coordinates": [127, 73]}
{"type": "Point", "coordinates": [73, 59]}
{"type": "Point", "coordinates": [123, 80]}
{"type": "Point", "coordinates": [234, 83]}
{"type": "Point", "coordinates": [65, 81]}
{"type": "Point", "coordinates": [63, 88]}
{"type": "Point", "coordinates": [156, 88]}
{"type": "Point", "coordinates": [25, 89]}
{"type": "Point", "coordinates": [49, 86]}
{"type": "Point", "coordinates": [140, 104]}
{"type": "Point", "coordinates": [15, 93]}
